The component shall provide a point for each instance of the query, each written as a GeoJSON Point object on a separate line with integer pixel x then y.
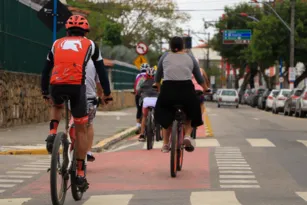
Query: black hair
{"type": "Point", "coordinates": [176, 44]}
{"type": "Point", "coordinates": [76, 32]}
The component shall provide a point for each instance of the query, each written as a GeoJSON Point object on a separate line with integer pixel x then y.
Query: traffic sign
{"type": "Point", "coordinates": [281, 79]}
{"type": "Point", "coordinates": [139, 61]}
{"type": "Point", "coordinates": [212, 80]}
{"type": "Point", "coordinates": [46, 15]}
{"type": "Point", "coordinates": [292, 74]}
{"type": "Point", "coordinates": [141, 48]}
{"type": "Point", "coordinates": [239, 36]}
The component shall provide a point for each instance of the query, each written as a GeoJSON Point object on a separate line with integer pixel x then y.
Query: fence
{"type": "Point", "coordinates": [24, 39]}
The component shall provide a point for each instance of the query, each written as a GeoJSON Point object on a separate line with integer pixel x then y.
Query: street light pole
{"type": "Point", "coordinates": [292, 40]}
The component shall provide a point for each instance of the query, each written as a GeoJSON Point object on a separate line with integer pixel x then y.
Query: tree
{"type": "Point", "coordinates": [112, 34]}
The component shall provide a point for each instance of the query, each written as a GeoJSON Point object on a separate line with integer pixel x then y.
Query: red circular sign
{"type": "Point", "coordinates": [141, 48]}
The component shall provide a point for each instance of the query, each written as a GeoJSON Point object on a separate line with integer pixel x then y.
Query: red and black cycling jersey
{"type": "Point", "coordinates": [67, 61]}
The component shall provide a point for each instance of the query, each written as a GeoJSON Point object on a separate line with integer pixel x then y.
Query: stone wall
{"type": "Point", "coordinates": [21, 102]}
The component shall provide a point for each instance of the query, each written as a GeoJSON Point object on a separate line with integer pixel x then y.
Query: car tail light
{"type": "Point", "coordinates": [220, 99]}
{"type": "Point", "coordinates": [270, 97]}
{"type": "Point", "coordinates": [294, 97]}
{"type": "Point", "coordinates": [305, 96]}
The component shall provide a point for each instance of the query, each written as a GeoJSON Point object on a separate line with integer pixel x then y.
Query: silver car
{"type": "Point", "coordinates": [301, 104]}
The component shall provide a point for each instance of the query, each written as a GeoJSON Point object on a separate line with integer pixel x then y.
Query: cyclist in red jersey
{"type": "Point", "coordinates": [68, 62]}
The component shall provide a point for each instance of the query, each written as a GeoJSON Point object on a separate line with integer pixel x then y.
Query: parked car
{"type": "Point", "coordinates": [279, 100]}
{"type": "Point", "coordinates": [228, 97]}
{"type": "Point", "coordinates": [270, 99]}
{"type": "Point", "coordinates": [249, 98]}
{"type": "Point", "coordinates": [247, 92]}
{"type": "Point", "coordinates": [253, 98]}
{"type": "Point", "coordinates": [301, 104]}
{"type": "Point", "coordinates": [263, 97]}
{"type": "Point", "coordinates": [290, 103]}
{"type": "Point", "coordinates": [216, 94]}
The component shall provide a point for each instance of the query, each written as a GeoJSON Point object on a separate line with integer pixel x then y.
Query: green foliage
{"type": "Point", "coordinates": [112, 34]}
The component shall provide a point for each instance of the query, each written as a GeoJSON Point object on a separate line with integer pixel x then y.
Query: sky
{"type": "Point", "coordinates": [213, 9]}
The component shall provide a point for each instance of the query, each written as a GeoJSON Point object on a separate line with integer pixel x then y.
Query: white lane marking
{"type": "Point", "coordinates": [260, 142]}
{"type": "Point", "coordinates": [227, 152]}
{"type": "Point", "coordinates": [235, 172]}
{"type": "Point", "coordinates": [304, 142]}
{"type": "Point", "coordinates": [30, 169]}
{"type": "Point", "coordinates": [41, 163]}
{"type": "Point", "coordinates": [157, 145]}
{"type": "Point", "coordinates": [226, 181]}
{"type": "Point", "coordinates": [19, 201]}
{"type": "Point", "coordinates": [229, 157]}
{"type": "Point", "coordinates": [1, 190]}
{"type": "Point", "coordinates": [214, 198]}
{"type": "Point", "coordinates": [230, 162]}
{"type": "Point", "coordinates": [232, 168]}
{"type": "Point", "coordinates": [109, 199]}
{"type": "Point", "coordinates": [38, 165]}
{"type": "Point", "coordinates": [124, 147]}
{"type": "Point", "coordinates": [237, 176]}
{"type": "Point", "coordinates": [256, 118]}
{"type": "Point", "coordinates": [239, 186]}
{"type": "Point", "coordinates": [233, 165]}
{"type": "Point", "coordinates": [303, 195]}
{"type": "Point", "coordinates": [21, 172]}
{"type": "Point", "coordinates": [207, 143]}
{"type": "Point", "coordinates": [6, 186]}
{"type": "Point", "coordinates": [11, 181]}
{"type": "Point", "coordinates": [16, 176]}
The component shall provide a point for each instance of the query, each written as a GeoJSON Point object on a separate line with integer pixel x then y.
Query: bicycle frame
{"type": "Point", "coordinates": [68, 125]}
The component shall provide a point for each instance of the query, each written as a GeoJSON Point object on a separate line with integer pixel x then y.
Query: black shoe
{"type": "Point", "coordinates": [138, 131]}
{"type": "Point", "coordinates": [142, 138]}
{"type": "Point", "coordinates": [90, 158]}
{"type": "Point", "coordinates": [82, 183]}
{"type": "Point", "coordinates": [49, 142]}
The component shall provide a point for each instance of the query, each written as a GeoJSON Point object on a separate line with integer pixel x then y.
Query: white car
{"type": "Point", "coordinates": [228, 97]}
{"type": "Point", "coordinates": [215, 95]}
{"type": "Point", "coordinates": [270, 99]}
{"type": "Point", "coordinates": [279, 101]}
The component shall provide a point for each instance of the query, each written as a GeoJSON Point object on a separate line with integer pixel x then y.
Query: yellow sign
{"type": "Point", "coordinates": [139, 61]}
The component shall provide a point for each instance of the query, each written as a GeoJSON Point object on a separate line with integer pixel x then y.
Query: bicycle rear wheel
{"type": "Point", "coordinates": [56, 168]}
{"type": "Point", "coordinates": [77, 194]}
{"type": "Point", "coordinates": [174, 147]}
{"type": "Point", "coordinates": [149, 131]}
{"type": "Point", "coordinates": [158, 132]}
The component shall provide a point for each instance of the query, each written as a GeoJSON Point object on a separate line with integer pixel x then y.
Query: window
{"type": "Point", "coordinates": [298, 92]}
{"type": "Point", "coordinates": [229, 93]}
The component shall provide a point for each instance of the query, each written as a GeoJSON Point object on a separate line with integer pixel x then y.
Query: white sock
{"type": "Point", "coordinates": [138, 125]}
{"type": "Point", "coordinates": [89, 153]}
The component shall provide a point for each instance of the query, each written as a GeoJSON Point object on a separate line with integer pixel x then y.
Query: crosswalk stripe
{"type": "Point", "coordinates": [207, 143]}
{"type": "Point", "coordinates": [14, 201]}
{"type": "Point", "coordinates": [303, 195]}
{"type": "Point", "coordinates": [234, 168]}
{"type": "Point", "coordinates": [6, 185]}
{"type": "Point", "coordinates": [214, 198]}
{"type": "Point", "coordinates": [37, 165]}
{"type": "Point", "coordinates": [109, 199]}
{"type": "Point", "coordinates": [237, 177]}
{"type": "Point", "coordinates": [233, 165]}
{"type": "Point", "coordinates": [11, 181]}
{"type": "Point", "coordinates": [21, 172]}
{"type": "Point", "coordinates": [223, 160]}
{"type": "Point", "coordinates": [30, 169]}
{"type": "Point", "coordinates": [235, 172]}
{"type": "Point", "coordinates": [260, 142]}
{"type": "Point", "coordinates": [227, 152]}
{"type": "Point", "coordinates": [16, 176]}
{"type": "Point", "coordinates": [229, 157]}
{"type": "Point", "coordinates": [238, 181]}
{"type": "Point", "coordinates": [1, 191]}
{"type": "Point", "coordinates": [240, 186]}
{"type": "Point", "coordinates": [230, 162]}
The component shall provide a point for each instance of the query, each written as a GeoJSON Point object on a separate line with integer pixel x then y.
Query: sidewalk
{"type": "Point", "coordinates": [106, 124]}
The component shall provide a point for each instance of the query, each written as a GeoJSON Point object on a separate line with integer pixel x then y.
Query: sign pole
{"type": "Point", "coordinates": [55, 6]}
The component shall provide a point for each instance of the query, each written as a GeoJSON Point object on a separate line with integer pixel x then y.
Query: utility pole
{"type": "Point", "coordinates": [208, 46]}
{"type": "Point", "coordinates": [292, 40]}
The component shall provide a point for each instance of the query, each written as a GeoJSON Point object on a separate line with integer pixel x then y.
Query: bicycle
{"type": "Point", "coordinates": [152, 129]}
{"type": "Point", "coordinates": [68, 169]}
{"type": "Point", "coordinates": [177, 145]}
{"type": "Point", "coordinates": [199, 94]}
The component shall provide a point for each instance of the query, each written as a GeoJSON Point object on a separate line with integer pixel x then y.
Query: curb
{"type": "Point", "coordinates": [106, 143]}
{"type": "Point", "coordinates": [208, 127]}
{"type": "Point", "coordinates": [100, 146]}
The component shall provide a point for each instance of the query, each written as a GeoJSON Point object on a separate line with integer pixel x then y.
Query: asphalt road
{"type": "Point", "coordinates": [254, 158]}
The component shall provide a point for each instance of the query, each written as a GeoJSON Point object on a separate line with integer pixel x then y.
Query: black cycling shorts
{"type": "Point", "coordinates": [77, 97]}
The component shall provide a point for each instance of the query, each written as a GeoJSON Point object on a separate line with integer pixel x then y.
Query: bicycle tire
{"type": "Point", "coordinates": [149, 132]}
{"type": "Point", "coordinates": [193, 134]}
{"type": "Point", "coordinates": [174, 150]}
{"type": "Point", "coordinates": [179, 159]}
{"type": "Point", "coordinates": [56, 200]}
{"type": "Point", "coordinates": [77, 194]}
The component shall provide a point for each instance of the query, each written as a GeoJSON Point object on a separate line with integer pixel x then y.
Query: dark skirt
{"type": "Point", "coordinates": [177, 93]}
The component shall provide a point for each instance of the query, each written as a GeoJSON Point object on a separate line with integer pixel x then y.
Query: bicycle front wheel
{"type": "Point", "coordinates": [57, 169]}
{"type": "Point", "coordinates": [149, 131]}
{"type": "Point", "coordinates": [174, 147]}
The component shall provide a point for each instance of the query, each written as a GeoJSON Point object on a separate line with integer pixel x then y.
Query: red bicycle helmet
{"type": "Point", "coordinates": [77, 21]}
